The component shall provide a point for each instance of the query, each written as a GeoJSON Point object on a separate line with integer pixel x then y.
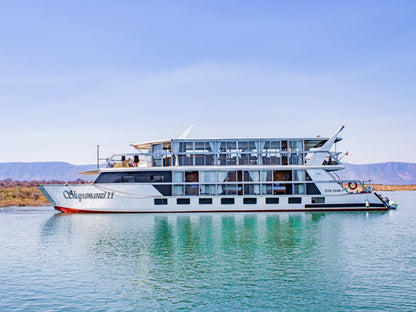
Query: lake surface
{"type": "Point", "coordinates": [209, 262]}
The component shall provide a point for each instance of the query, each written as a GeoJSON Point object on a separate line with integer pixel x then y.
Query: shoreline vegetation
{"type": "Point", "coordinates": [25, 193]}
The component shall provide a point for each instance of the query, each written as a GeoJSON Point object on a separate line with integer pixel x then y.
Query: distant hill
{"type": "Point", "coordinates": [62, 171]}
{"type": "Point", "coordinates": [381, 173]}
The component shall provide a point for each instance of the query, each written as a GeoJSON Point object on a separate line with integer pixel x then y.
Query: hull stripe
{"type": "Point", "coordinates": [341, 205]}
{"type": "Point", "coordinates": [360, 208]}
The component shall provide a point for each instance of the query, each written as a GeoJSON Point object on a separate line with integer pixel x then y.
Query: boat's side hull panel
{"type": "Point", "coordinates": [141, 198]}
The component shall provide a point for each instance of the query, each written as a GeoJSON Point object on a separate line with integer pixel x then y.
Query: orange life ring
{"type": "Point", "coordinates": [352, 185]}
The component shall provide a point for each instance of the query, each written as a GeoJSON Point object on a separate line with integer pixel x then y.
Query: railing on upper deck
{"type": "Point", "coordinates": [167, 159]}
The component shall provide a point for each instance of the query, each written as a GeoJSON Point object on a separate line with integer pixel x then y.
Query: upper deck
{"type": "Point", "coordinates": [227, 152]}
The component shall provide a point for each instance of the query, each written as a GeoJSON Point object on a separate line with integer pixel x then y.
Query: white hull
{"type": "Point", "coordinates": [141, 199]}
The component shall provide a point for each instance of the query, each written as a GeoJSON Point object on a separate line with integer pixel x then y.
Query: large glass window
{"type": "Point", "coordinates": [208, 176]}
{"type": "Point", "coordinates": [186, 160]}
{"type": "Point", "coordinates": [178, 176]}
{"type": "Point", "coordinates": [270, 152]}
{"type": "Point", "coordinates": [267, 189]}
{"type": "Point", "coordinates": [191, 176]}
{"type": "Point", "coordinates": [267, 175]}
{"type": "Point", "coordinates": [208, 189]}
{"type": "Point", "coordinates": [299, 175]}
{"type": "Point", "coordinates": [282, 188]}
{"type": "Point", "coordinates": [299, 188]}
{"type": "Point", "coordinates": [296, 152]}
{"type": "Point", "coordinates": [251, 189]}
{"type": "Point", "coordinates": [282, 175]}
{"type": "Point", "coordinates": [191, 189]}
{"type": "Point", "coordinates": [228, 189]}
{"type": "Point", "coordinates": [134, 177]}
{"type": "Point", "coordinates": [178, 190]}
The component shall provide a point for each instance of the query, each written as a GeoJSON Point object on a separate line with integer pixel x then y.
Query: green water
{"type": "Point", "coordinates": [209, 262]}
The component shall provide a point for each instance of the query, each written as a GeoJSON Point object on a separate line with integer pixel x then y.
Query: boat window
{"type": "Point", "coordinates": [232, 146]}
{"type": "Point", "coordinates": [299, 175]}
{"type": "Point", "coordinates": [164, 189]}
{"type": "Point", "coordinates": [208, 189]}
{"type": "Point", "coordinates": [295, 200]}
{"type": "Point", "coordinates": [228, 189]}
{"type": "Point", "coordinates": [207, 176]}
{"type": "Point", "coordinates": [251, 189]}
{"type": "Point", "coordinates": [191, 176]}
{"type": "Point", "coordinates": [222, 176]}
{"type": "Point", "coordinates": [183, 201]}
{"type": "Point", "coordinates": [250, 201]}
{"type": "Point", "coordinates": [199, 160]}
{"type": "Point", "coordinates": [299, 188]}
{"type": "Point", "coordinates": [279, 188]}
{"type": "Point", "coordinates": [267, 189]}
{"type": "Point", "coordinates": [272, 200]}
{"type": "Point", "coordinates": [227, 201]}
{"type": "Point", "coordinates": [127, 179]}
{"type": "Point", "coordinates": [200, 147]}
{"type": "Point", "coordinates": [318, 200]}
{"type": "Point", "coordinates": [157, 178]}
{"type": "Point", "coordinates": [191, 189]}
{"type": "Point", "coordinates": [267, 175]}
{"type": "Point", "coordinates": [311, 189]}
{"type": "Point", "coordinates": [178, 176]}
{"type": "Point", "coordinates": [205, 201]}
{"type": "Point", "coordinates": [134, 177]}
{"type": "Point", "coordinates": [186, 160]}
{"type": "Point", "coordinates": [282, 175]}
{"type": "Point", "coordinates": [178, 190]}
{"type": "Point", "coordinates": [161, 201]}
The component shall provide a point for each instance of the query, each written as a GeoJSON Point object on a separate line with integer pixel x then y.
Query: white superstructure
{"type": "Point", "coordinates": [208, 175]}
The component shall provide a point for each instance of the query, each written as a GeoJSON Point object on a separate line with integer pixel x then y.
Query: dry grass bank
{"type": "Point", "coordinates": [25, 193]}
{"type": "Point", "coordinates": [22, 196]}
{"type": "Point", "coordinates": [381, 187]}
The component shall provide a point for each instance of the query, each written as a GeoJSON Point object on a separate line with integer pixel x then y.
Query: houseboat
{"type": "Point", "coordinates": [221, 175]}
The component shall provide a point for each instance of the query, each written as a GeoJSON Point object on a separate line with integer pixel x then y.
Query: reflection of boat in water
{"type": "Point", "coordinates": [197, 230]}
{"type": "Point", "coordinates": [215, 175]}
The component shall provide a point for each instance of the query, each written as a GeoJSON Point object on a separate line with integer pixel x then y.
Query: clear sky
{"type": "Point", "coordinates": [74, 74]}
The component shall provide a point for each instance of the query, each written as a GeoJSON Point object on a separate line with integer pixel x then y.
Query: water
{"type": "Point", "coordinates": [209, 262]}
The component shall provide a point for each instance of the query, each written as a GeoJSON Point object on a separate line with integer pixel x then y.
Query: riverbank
{"type": "Point", "coordinates": [25, 193]}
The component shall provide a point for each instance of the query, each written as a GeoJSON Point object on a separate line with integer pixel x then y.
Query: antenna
{"type": "Point", "coordinates": [98, 156]}
{"type": "Point", "coordinates": [185, 134]}
{"type": "Point", "coordinates": [369, 172]}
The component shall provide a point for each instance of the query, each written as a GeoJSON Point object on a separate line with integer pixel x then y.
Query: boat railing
{"type": "Point", "coordinates": [165, 158]}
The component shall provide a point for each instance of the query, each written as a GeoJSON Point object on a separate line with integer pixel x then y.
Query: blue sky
{"type": "Point", "coordinates": [74, 74]}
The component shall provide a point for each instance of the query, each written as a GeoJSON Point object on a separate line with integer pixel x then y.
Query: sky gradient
{"type": "Point", "coordinates": [74, 74]}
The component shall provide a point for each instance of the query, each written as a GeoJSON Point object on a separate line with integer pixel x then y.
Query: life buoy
{"type": "Point", "coordinates": [352, 185]}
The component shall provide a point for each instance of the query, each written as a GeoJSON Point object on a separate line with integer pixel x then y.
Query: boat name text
{"type": "Point", "coordinates": [80, 196]}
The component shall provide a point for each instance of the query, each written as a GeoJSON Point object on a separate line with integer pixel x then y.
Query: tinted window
{"type": "Point", "coordinates": [205, 201]}
{"type": "Point", "coordinates": [135, 177]}
{"type": "Point", "coordinates": [161, 201]}
{"type": "Point", "coordinates": [165, 190]}
{"type": "Point", "coordinates": [318, 200]}
{"type": "Point", "coordinates": [227, 201]}
{"type": "Point", "coordinates": [295, 200]}
{"type": "Point", "coordinates": [311, 189]}
{"type": "Point", "coordinates": [127, 179]}
{"type": "Point", "coordinates": [183, 201]}
{"type": "Point", "coordinates": [250, 201]}
{"type": "Point", "coordinates": [272, 200]}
